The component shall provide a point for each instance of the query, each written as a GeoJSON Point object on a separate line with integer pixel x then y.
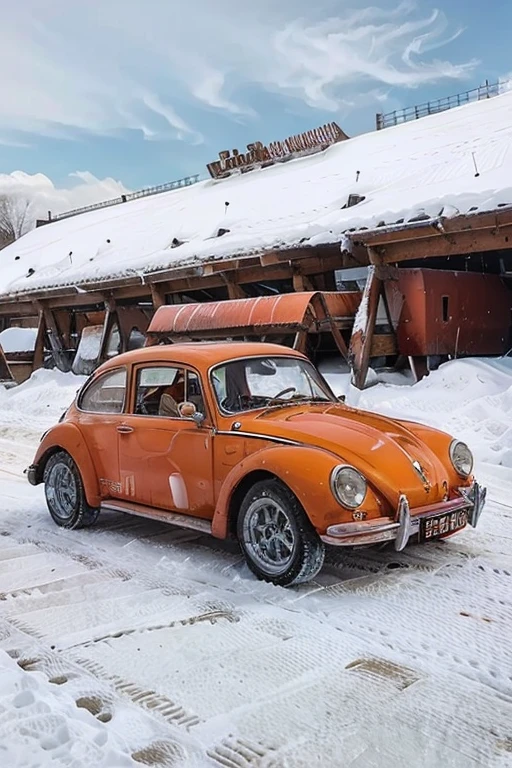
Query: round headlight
{"type": "Point", "coordinates": [348, 486]}
{"type": "Point", "coordinates": [462, 458]}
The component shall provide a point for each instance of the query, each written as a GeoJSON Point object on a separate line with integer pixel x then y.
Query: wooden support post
{"type": "Point", "coordinates": [322, 313]}
{"type": "Point", "coordinates": [108, 325]}
{"type": "Point", "coordinates": [301, 341]}
{"type": "Point", "coordinates": [39, 345]}
{"type": "Point", "coordinates": [419, 366]}
{"type": "Point", "coordinates": [59, 355]}
{"type": "Point", "coordinates": [157, 295]}
{"type": "Point", "coordinates": [5, 371]}
{"type": "Point", "coordinates": [300, 281]}
{"type": "Point", "coordinates": [234, 290]}
{"type": "Point", "coordinates": [362, 334]}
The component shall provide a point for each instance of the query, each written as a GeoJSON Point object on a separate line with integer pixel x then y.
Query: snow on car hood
{"type": "Point", "coordinates": [382, 449]}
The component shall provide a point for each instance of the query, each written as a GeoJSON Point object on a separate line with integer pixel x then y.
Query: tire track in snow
{"type": "Point", "coordinates": [357, 598]}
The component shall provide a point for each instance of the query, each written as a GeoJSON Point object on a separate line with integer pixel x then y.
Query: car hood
{"type": "Point", "coordinates": [382, 449]}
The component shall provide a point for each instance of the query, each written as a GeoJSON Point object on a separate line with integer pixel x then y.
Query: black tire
{"type": "Point", "coordinates": [289, 551]}
{"type": "Point", "coordinates": [64, 491]}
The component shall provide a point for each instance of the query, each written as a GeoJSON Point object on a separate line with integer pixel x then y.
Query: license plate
{"type": "Point", "coordinates": [441, 525]}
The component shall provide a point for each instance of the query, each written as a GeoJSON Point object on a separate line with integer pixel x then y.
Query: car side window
{"type": "Point", "coordinates": [168, 391]}
{"type": "Point", "coordinates": [194, 392]}
{"type": "Point", "coordinates": [106, 394]}
{"type": "Point", "coordinates": [159, 391]}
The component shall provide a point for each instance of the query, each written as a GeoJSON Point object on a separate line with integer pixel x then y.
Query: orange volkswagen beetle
{"type": "Point", "coordinates": [248, 440]}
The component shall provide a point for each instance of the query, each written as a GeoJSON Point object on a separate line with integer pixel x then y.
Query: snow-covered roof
{"type": "Point", "coordinates": [421, 166]}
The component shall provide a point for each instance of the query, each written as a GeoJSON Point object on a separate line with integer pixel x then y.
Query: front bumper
{"type": "Point", "coordinates": [405, 524]}
{"type": "Point", "coordinates": [31, 473]}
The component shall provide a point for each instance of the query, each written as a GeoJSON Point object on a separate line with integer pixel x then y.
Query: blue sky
{"type": "Point", "coordinates": [146, 91]}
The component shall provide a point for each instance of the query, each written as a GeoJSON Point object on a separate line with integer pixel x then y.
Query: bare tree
{"type": "Point", "coordinates": [16, 217]}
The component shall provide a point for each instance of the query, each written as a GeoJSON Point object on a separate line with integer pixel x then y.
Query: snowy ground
{"type": "Point", "coordinates": [135, 643]}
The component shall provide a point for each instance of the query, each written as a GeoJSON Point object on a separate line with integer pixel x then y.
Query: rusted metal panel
{"type": "Point", "coordinates": [453, 313]}
{"type": "Point", "coordinates": [290, 312]}
{"type": "Point", "coordinates": [342, 304]}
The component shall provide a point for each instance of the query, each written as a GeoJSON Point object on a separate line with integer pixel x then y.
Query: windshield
{"type": "Point", "coordinates": [260, 382]}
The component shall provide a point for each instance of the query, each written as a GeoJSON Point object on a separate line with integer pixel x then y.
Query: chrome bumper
{"type": "Point", "coordinates": [404, 525]}
{"type": "Point", "coordinates": [31, 473]}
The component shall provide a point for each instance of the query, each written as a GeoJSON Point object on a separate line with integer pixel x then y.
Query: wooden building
{"type": "Point", "coordinates": [439, 282]}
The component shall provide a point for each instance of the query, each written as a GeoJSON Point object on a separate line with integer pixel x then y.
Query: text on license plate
{"type": "Point", "coordinates": [440, 525]}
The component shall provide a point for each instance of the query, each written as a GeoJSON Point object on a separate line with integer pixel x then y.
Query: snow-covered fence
{"type": "Point", "coordinates": [398, 116]}
{"type": "Point", "coordinates": [186, 181]}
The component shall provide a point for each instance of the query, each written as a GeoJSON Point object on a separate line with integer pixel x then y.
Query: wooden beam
{"type": "Point", "coordinates": [301, 341]}
{"type": "Point", "coordinates": [60, 357]}
{"type": "Point", "coordinates": [39, 345]}
{"type": "Point", "coordinates": [383, 345]}
{"type": "Point", "coordinates": [459, 244]}
{"type": "Point", "coordinates": [361, 341]}
{"type": "Point", "coordinates": [110, 321]}
{"type": "Point", "coordinates": [311, 262]}
{"type": "Point", "coordinates": [322, 315]}
{"type": "Point", "coordinates": [234, 290]}
{"type": "Point", "coordinates": [5, 371]}
{"type": "Point", "coordinates": [17, 309]}
{"type": "Point", "coordinates": [157, 295]}
{"type": "Point", "coordinates": [448, 226]}
{"type": "Point", "coordinates": [300, 281]}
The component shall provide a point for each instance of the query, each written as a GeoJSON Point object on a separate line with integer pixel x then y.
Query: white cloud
{"type": "Point", "coordinates": [209, 88]}
{"type": "Point", "coordinates": [44, 196]}
{"type": "Point", "coordinates": [325, 61]}
{"type": "Point", "coordinates": [154, 103]}
{"type": "Point", "coordinates": [104, 67]}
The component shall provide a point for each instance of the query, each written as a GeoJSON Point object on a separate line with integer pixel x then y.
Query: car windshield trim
{"type": "Point", "coordinates": [329, 398]}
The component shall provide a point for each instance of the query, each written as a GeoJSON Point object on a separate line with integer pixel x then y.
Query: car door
{"type": "Point", "coordinates": [166, 460]}
{"type": "Point", "coordinates": [100, 413]}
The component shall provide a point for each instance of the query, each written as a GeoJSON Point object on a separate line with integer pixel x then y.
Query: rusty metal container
{"type": "Point", "coordinates": [450, 313]}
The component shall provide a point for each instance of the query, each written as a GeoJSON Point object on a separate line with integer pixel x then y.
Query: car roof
{"type": "Point", "coordinates": [199, 354]}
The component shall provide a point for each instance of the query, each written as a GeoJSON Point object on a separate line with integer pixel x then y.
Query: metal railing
{"type": "Point", "coordinates": [187, 181]}
{"type": "Point", "coordinates": [487, 91]}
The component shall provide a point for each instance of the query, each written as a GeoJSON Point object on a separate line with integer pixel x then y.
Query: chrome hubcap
{"type": "Point", "coordinates": [269, 536]}
{"type": "Point", "coordinates": [61, 491]}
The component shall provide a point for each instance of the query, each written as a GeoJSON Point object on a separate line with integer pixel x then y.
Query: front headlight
{"type": "Point", "coordinates": [461, 458]}
{"type": "Point", "coordinates": [349, 486]}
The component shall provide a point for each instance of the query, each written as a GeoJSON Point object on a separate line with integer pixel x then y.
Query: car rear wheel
{"type": "Point", "coordinates": [64, 493]}
{"type": "Point", "coordinates": [278, 541]}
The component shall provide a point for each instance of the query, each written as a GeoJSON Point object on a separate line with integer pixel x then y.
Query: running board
{"type": "Point", "coordinates": [184, 521]}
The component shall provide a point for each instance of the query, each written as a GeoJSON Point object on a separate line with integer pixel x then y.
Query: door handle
{"type": "Point", "coordinates": [124, 429]}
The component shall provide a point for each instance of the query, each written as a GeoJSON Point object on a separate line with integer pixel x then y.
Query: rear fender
{"type": "Point", "coordinates": [305, 470]}
{"type": "Point", "coordinates": [67, 437]}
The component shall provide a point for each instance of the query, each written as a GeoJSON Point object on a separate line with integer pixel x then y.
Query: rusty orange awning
{"type": "Point", "coordinates": [289, 313]}
{"type": "Point", "coordinates": [302, 311]}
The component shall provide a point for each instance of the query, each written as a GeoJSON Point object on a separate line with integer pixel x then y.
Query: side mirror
{"type": "Point", "coordinates": [198, 418]}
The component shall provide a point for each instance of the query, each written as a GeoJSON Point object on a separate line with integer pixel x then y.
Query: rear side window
{"type": "Point", "coordinates": [106, 394]}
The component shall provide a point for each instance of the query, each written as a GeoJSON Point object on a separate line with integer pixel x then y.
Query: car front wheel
{"type": "Point", "coordinates": [278, 541]}
{"type": "Point", "coordinates": [64, 493]}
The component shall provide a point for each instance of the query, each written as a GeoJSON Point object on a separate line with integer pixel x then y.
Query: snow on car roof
{"type": "Point", "coordinates": [420, 167]}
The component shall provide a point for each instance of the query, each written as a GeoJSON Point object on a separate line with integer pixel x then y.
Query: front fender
{"type": "Point", "coordinates": [67, 437]}
{"type": "Point", "coordinates": [306, 471]}
{"type": "Point", "coordinates": [439, 443]}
